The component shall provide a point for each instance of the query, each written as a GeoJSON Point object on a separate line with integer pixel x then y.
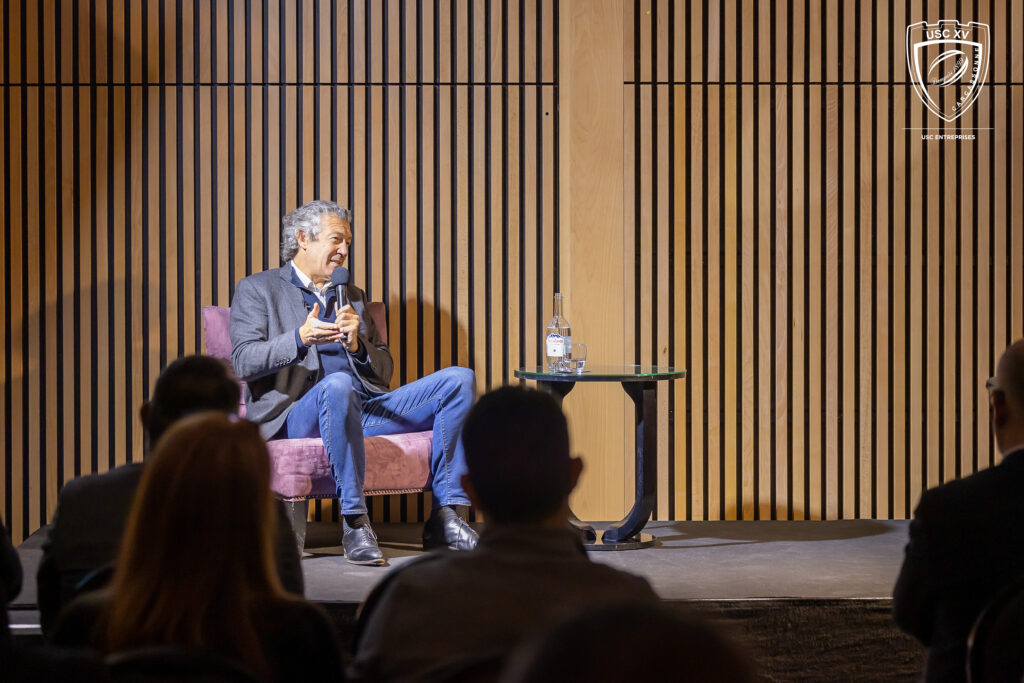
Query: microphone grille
{"type": "Point", "coordinates": [339, 276]}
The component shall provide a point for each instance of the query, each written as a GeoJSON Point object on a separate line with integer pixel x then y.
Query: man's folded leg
{"type": "Point", "coordinates": [439, 402]}
{"type": "Point", "coordinates": [331, 410]}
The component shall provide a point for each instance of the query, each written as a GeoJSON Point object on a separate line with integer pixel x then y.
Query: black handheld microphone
{"type": "Point", "coordinates": [339, 280]}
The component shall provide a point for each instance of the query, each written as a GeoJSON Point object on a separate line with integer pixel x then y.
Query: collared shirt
{"type": "Point", "coordinates": [320, 294]}
{"type": "Point", "coordinates": [477, 604]}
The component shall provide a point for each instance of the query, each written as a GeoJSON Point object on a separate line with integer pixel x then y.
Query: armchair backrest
{"type": "Point", "coordinates": [217, 327]}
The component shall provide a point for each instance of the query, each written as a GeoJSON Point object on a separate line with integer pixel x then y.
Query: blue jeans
{"type": "Point", "coordinates": [341, 414]}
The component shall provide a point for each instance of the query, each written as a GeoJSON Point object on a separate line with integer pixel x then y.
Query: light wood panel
{"type": "Point", "coordinates": [851, 284]}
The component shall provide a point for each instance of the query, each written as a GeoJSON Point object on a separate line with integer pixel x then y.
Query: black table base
{"type": "Point", "coordinates": [625, 534]}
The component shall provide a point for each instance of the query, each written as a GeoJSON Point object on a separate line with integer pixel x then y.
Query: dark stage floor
{"type": "Point", "coordinates": [811, 599]}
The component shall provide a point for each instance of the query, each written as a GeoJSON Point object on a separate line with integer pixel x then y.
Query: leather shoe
{"type": "Point", "coordinates": [360, 545]}
{"type": "Point", "coordinates": [445, 529]}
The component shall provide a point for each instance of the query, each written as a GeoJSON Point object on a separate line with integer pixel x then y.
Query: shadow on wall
{"type": "Point", "coordinates": [439, 326]}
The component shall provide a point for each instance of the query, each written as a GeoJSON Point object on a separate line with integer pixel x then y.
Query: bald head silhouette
{"type": "Point", "coordinates": [1006, 398]}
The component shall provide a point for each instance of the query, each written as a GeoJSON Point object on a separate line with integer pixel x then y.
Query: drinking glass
{"type": "Point", "coordinates": [577, 358]}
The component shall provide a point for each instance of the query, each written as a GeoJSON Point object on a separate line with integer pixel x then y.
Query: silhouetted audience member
{"type": "Point", "coordinates": [457, 615]}
{"type": "Point", "coordinates": [966, 538]}
{"type": "Point", "coordinates": [10, 586]}
{"type": "Point", "coordinates": [196, 569]}
{"type": "Point", "coordinates": [625, 642]}
{"type": "Point", "coordinates": [20, 663]}
{"type": "Point", "coordinates": [91, 511]}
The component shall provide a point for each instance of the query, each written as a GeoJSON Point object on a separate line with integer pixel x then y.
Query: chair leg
{"type": "Point", "coordinates": [298, 510]}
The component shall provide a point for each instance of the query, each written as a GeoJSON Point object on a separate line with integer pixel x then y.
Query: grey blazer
{"type": "Point", "coordinates": [266, 310]}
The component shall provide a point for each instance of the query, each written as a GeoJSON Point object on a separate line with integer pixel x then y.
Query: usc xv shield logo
{"type": "Point", "coordinates": [948, 63]}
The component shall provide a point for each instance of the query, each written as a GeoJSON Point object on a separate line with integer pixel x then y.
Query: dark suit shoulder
{"type": "Point", "coordinates": [980, 490]}
{"type": "Point", "coordinates": [125, 476]}
{"type": "Point", "coordinates": [264, 278]}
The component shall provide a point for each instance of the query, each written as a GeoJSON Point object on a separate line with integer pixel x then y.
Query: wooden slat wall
{"type": "Point", "coordinates": [838, 287]}
{"type": "Point", "coordinates": [150, 147]}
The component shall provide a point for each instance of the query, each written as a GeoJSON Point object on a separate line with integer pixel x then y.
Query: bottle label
{"type": "Point", "coordinates": [555, 345]}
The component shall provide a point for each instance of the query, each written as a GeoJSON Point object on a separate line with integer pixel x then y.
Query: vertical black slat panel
{"type": "Point", "coordinates": [144, 171]}
{"type": "Point", "coordinates": [420, 309]}
{"type": "Point", "coordinates": [957, 360]}
{"type": "Point", "coordinates": [522, 190]}
{"type": "Point", "coordinates": [420, 340]}
{"type": "Point", "coordinates": [890, 212]}
{"type": "Point", "coordinates": [823, 265]}
{"type": "Point", "coordinates": [248, 142]}
{"type": "Point", "coordinates": [76, 198]}
{"type": "Point", "coordinates": [806, 503]}
{"type": "Point", "coordinates": [454, 196]}
{"type": "Point", "coordinates": [26, 464]}
{"type": "Point", "coordinates": [705, 483]}
{"type": "Point", "coordinates": [873, 75]}
{"type": "Point", "coordinates": [857, 227]}
{"type": "Point", "coordinates": [162, 284]}
{"type": "Point", "coordinates": [112, 229]}
{"type": "Point", "coordinates": [7, 304]}
{"type": "Point", "coordinates": [179, 115]}
{"type": "Point", "coordinates": [991, 247]}
{"type": "Point", "coordinates": [94, 231]}
{"type": "Point", "coordinates": [653, 288]}
{"type": "Point", "coordinates": [232, 208]}
{"type": "Point", "coordinates": [755, 236]}
{"type": "Point", "coordinates": [316, 101]}
{"type": "Point", "coordinates": [841, 330]}
{"type": "Point", "coordinates": [60, 331]}
{"type": "Point", "coordinates": [368, 207]}
{"type": "Point", "coordinates": [282, 111]}
{"type": "Point", "coordinates": [299, 89]}
{"type": "Point", "coordinates": [437, 188]}
{"type": "Point", "coordinates": [265, 218]}
{"type": "Point", "coordinates": [773, 268]}
{"type": "Point", "coordinates": [197, 180]}
{"type": "Point", "coordinates": [556, 163]}
{"type": "Point", "coordinates": [722, 313]}
{"type": "Point", "coordinates": [924, 351]}
{"type": "Point", "coordinates": [332, 194]}
{"type": "Point", "coordinates": [129, 350]}
{"type": "Point", "coordinates": [403, 501]}
{"type": "Point", "coordinates": [789, 256]}
{"type": "Point", "coordinates": [505, 224]}
{"type": "Point", "coordinates": [211, 159]}
{"type": "Point", "coordinates": [906, 448]}
{"type": "Point", "coordinates": [637, 162]}
{"type": "Point", "coordinates": [488, 335]}
{"type": "Point", "coordinates": [738, 456]}
{"type": "Point", "coordinates": [688, 248]}
{"type": "Point", "coordinates": [385, 176]}
{"type": "Point", "coordinates": [471, 189]}
{"type": "Point", "coordinates": [539, 192]}
{"type": "Point", "coordinates": [403, 204]}
{"type": "Point", "coordinates": [44, 450]}
{"type": "Point", "coordinates": [975, 370]}
{"type": "Point", "coordinates": [1008, 179]}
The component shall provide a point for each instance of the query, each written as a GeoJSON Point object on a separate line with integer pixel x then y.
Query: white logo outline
{"type": "Point", "coordinates": [981, 51]}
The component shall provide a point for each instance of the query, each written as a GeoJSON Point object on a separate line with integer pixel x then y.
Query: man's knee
{"type": "Point", "coordinates": [461, 379]}
{"type": "Point", "coordinates": [338, 387]}
{"type": "Point", "coordinates": [337, 382]}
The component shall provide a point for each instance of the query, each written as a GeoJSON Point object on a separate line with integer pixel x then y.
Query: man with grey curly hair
{"type": "Point", "coordinates": [317, 367]}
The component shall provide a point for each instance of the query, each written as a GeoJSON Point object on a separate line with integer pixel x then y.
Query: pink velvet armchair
{"type": "Point", "coordinates": [300, 470]}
